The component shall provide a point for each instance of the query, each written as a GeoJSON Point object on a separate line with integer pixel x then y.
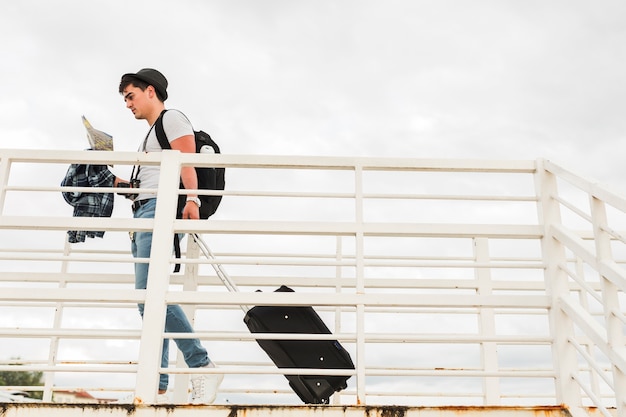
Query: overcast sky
{"type": "Point", "coordinates": [493, 79]}
{"type": "Point", "coordinates": [397, 78]}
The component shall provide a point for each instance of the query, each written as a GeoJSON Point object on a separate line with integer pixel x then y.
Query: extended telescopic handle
{"type": "Point", "coordinates": [219, 269]}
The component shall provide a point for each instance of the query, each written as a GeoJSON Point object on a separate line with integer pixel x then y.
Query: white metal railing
{"type": "Point", "coordinates": [467, 282]}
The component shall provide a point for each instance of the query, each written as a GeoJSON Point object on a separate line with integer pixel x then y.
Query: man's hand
{"type": "Point", "coordinates": [117, 181]}
{"type": "Point", "coordinates": [191, 211]}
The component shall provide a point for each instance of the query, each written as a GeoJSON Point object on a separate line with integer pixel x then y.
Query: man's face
{"type": "Point", "coordinates": [136, 100]}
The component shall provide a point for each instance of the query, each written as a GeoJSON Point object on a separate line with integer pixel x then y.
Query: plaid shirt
{"type": "Point", "coordinates": [96, 204]}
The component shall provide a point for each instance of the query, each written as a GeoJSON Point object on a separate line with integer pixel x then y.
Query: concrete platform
{"type": "Point", "coordinates": [126, 410]}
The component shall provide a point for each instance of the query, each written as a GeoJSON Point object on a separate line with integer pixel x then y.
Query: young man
{"type": "Point", "coordinates": [144, 93]}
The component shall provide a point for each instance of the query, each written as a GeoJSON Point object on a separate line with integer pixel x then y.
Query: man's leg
{"type": "Point", "coordinates": [176, 322]}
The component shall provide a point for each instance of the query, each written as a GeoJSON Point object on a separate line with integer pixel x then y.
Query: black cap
{"type": "Point", "coordinates": [154, 78]}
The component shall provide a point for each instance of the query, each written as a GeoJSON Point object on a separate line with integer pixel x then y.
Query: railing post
{"type": "Point", "coordinates": [336, 399]}
{"type": "Point", "coordinates": [588, 345]}
{"type": "Point", "coordinates": [158, 280]}
{"type": "Point", "coordinates": [5, 169]}
{"type": "Point", "coordinates": [190, 283]}
{"type": "Point", "coordinates": [487, 326]}
{"type": "Point", "coordinates": [56, 325]}
{"type": "Point", "coordinates": [610, 299]}
{"type": "Point", "coordinates": [360, 287]}
{"type": "Point", "coordinates": [564, 355]}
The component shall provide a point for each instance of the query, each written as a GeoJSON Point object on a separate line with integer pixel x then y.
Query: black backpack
{"type": "Point", "coordinates": [208, 178]}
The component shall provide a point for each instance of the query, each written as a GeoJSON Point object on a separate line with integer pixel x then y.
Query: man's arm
{"type": "Point", "coordinates": [187, 144]}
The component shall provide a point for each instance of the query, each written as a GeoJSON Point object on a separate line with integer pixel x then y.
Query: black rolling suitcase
{"type": "Point", "coordinates": [304, 354]}
{"type": "Point", "coordinates": [315, 354]}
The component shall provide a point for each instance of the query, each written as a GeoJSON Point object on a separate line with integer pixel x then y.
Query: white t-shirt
{"type": "Point", "coordinates": [175, 125]}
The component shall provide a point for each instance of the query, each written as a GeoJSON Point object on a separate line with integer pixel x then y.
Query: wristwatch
{"type": "Point", "coordinates": [195, 200]}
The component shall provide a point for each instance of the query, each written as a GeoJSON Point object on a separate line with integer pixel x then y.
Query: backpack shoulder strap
{"type": "Point", "coordinates": [160, 132]}
{"type": "Point", "coordinates": [165, 144]}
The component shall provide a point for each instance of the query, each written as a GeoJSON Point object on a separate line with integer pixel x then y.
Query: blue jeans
{"type": "Point", "coordinates": [175, 320]}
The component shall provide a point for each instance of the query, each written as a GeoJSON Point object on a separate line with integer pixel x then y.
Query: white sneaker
{"type": "Point", "coordinates": [204, 387]}
{"type": "Point", "coordinates": [163, 399]}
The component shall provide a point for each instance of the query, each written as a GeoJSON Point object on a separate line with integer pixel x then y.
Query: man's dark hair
{"type": "Point", "coordinates": [140, 84]}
